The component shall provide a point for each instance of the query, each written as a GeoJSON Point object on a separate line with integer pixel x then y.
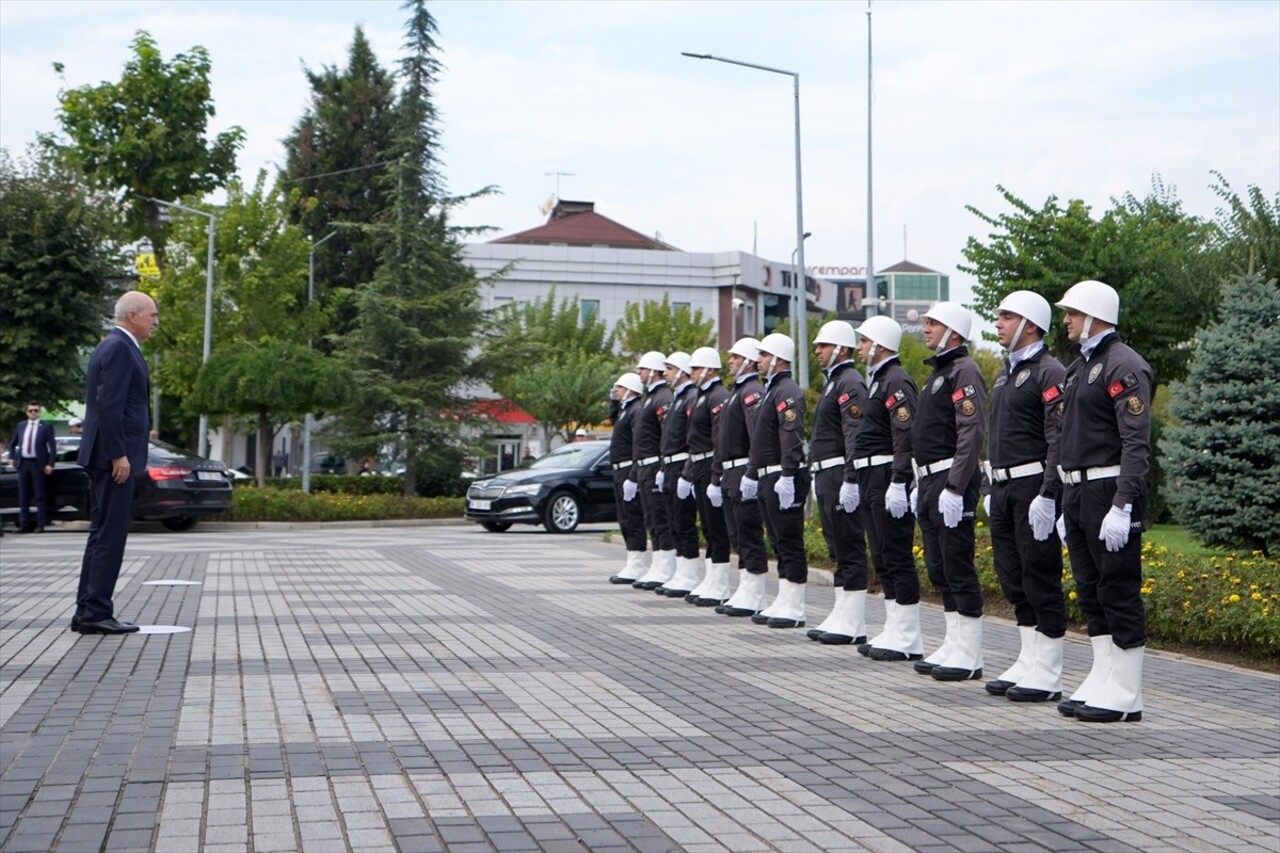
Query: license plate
{"type": "Point", "coordinates": [481, 505]}
{"type": "Point", "coordinates": [210, 475]}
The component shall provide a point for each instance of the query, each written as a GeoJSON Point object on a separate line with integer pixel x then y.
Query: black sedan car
{"type": "Point", "coordinates": [570, 485]}
{"type": "Point", "coordinates": [177, 489]}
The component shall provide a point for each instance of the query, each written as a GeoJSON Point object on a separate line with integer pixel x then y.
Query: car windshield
{"type": "Point", "coordinates": [162, 452]}
{"type": "Point", "coordinates": [570, 456]}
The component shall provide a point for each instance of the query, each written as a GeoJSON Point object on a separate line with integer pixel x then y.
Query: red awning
{"type": "Point", "coordinates": [502, 411]}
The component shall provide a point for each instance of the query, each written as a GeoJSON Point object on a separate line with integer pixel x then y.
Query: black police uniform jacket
{"type": "Point", "coordinates": [837, 416]}
{"type": "Point", "coordinates": [737, 422]}
{"type": "Point", "coordinates": [647, 433]}
{"type": "Point", "coordinates": [1025, 424]}
{"type": "Point", "coordinates": [704, 423]}
{"type": "Point", "coordinates": [950, 413]}
{"type": "Point", "coordinates": [885, 426]}
{"type": "Point", "coordinates": [778, 437]}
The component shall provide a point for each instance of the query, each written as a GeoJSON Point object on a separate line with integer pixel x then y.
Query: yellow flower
{"type": "Point", "coordinates": [1257, 596]}
{"type": "Point", "coordinates": [1234, 598]}
{"type": "Point", "coordinates": [1146, 590]}
{"type": "Point", "coordinates": [1071, 596]}
{"type": "Point", "coordinates": [979, 524]}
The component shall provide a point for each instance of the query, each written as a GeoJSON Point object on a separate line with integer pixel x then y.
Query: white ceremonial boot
{"type": "Point", "coordinates": [890, 605]}
{"type": "Point", "coordinates": [904, 641]}
{"type": "Point", "coordinates": [791, 613]}
{"type": "Point", "coordinates": [832, 618]}
{"type": "Point", "coordinates": [851, 626]}
{"type": "Point", "coordinates": [1043, 682]}
{"type": "Point", "coordinates": [717, 588]}
{"type": "Point", "coordinates": [965, 661]}
{"type": "Point", "coordinates": [750, 597]}
{"type": "Point", "coordinates": [926, 666]}
{"type": "Point", "coordinates": [1098, 675]}
{"type": "Point", "coordinates": [1120, 699]}
{"type": "Point", "coordinates": [764, 615]}
{"type": "Point", "coordinates": [633, 570]}
{"type": "Point", "coordinates": [1027, 635]}
{"type": "Point", "coordinates": [660, 571]}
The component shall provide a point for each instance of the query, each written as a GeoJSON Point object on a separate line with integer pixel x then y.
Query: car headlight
{"type": "Point", "coordinates": [522, 489]}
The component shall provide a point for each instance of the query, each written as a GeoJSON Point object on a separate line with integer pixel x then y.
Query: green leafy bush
{"type": "Point", "coordinates": [341, 484]}
{"type": "Point", "coordinates": [271, 504]}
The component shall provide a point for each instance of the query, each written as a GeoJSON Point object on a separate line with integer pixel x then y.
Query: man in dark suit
{"type": "Point", "coordinates": [113, 451]}
{"type": "Point", "coordinates": [32, 450]}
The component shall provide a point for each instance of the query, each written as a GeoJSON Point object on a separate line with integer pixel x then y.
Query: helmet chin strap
{"type": "Point", "coordinates": [1086, 327]}
{"type": "Point", "coordinates": [1017, 335]}
{"type": "Point", "coordinates": [942, 344]}
{"type": "Point", "coordinates": [831, 362]}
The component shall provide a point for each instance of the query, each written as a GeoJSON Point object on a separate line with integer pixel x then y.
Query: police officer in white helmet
{"type": "Point", "coordinates": [1105, 454]}
{"type": "Point", "coordinates": [704, 425]}
{"type": "Point", "coordinates": [626, 391]}
{"type": "Point", "coordinates": [647, 456]}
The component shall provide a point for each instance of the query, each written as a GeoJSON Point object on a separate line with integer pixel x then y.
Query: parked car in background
{"type": "Point", "coordinates": [572, 484]}
{"type": "Point", "coordinates": [177, 488]}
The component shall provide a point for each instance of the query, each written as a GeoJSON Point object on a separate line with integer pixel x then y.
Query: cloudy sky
{"type": "Point", "coordinates": [1075, 99]}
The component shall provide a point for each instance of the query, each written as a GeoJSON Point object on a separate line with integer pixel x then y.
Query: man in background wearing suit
{"type": "Point", "coordinates": [113, 451]}
{"type": "Point", "coordinates": [32, 450]}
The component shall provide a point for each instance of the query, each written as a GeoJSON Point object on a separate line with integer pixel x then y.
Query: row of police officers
{"type": "Point", "coordinates": [1063, 454]}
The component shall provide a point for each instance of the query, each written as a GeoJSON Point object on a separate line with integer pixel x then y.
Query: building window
{"type": "Point", "coordinates": [499, 301]}
{"type": "Point", "coordinates": [588, 310]}
{"type": "Point", "coordinates": [676, 306]}
{"type": "Point", "coordinates": [915, 287]}
{"type": "Point", "coordinates": [945, 291]}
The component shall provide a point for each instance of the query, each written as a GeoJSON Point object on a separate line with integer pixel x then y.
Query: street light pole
{"type": "Point", "coordinates": [873, 292]}
{"type": "Point", "coordinates": [208, 304]}
{"type": "Point", "coordinates": [801, 339]}
{"type": "Point", "coordinates": [796, 312]}
{"type": "Point", "coordinates": [307, 421]}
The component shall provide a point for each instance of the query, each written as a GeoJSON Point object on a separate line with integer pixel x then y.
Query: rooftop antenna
{"type": "Point", "coordinates": [558, 176]}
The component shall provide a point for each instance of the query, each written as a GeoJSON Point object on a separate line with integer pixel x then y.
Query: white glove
{"type": "Point", "coordinates": [629, 490]}
{"type": "Point", "coordinates": [683, 489]}
{"type": "Point", "coordinates": [895, 500]}
{"type": "Point", "coordinates": [715, 495]}
{"type": "Point", "coordinates": [1062, 528]}
{"type": "Point", "coordinates": [1041, 514]}
{"type": "Point", "coordinates": [986, 506]}
{"type": "Point", "coordinates": [786, 491]}
{"type": "Point", "coordinates": [915, 500]}
{"type": "Point", "coordinates": [1115, 527]}
{"type": "Point", "coordinates": [749, 489]}
{"type": "Point", "coordinates": [951, 506]}
{"type": "Point", "coordinates": [850, 497]}
{"type": "Point", "coordinates": [659, 480]}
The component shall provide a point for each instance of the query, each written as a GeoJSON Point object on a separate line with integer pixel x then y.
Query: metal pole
{"type": "Point", "coordinates": [208, 328]}
{"type": "Point", "coordinates": [802, 332]}
{"type": "Point", "coordinates": [308, 420]}
{"type": "Point", "coordinates": [873, 294]}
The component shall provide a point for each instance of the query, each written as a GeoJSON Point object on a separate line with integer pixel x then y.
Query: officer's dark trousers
{"type": "Point", "coordinates": [655, 509]}
{"type": "Point", "coordinates": [948, 551]}
{"type": "Point", "coordinates": [786, 527]}
{"type": "Point", "coordinates": [31, 489]}
{"type": "Point", "coordinates": [746, 520]}
{"type": "Point", "coordinates": [891, 539]}
{"type": "Point", "coordinates": [714, 527]}
{"type": "Point", "coordinates": [1107, 583]}
{"type": "Point", "coordinates": [1030, 572]}
{"type": "Point", "coordinates": [630, 514]}
{"type": "Point", "coordinates": [846, 543]}
{"type": "Point", "coordinates": [111, 511]}
{"type": "Point", "coordinates": [683, 514]}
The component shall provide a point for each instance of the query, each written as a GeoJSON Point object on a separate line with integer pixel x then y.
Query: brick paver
{"type": "Point", "coordinates": [421, 688]}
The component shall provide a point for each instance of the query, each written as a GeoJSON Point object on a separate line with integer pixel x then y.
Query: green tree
{"type": "Point", "coordinates": [145, 134]}
{"type": "Point", "coordinates": [1156, 256]}
{"type": "Point", "coordinates": [1221, 456]}
{"type": "Point", "coordinates": [336, 156]}
{"type": "Point", "coordinates": [260, 285]}
{"type": "Point", "coordinates": [526, 337]}
{"type": "Point", "coordinates": [568, 392]}
{"type": "Point", "coordinates": [651, 325]}
{"type": "Point", "coordinates": [273, 381]}
{"type": "Point", "coordinates": [56, 265]}
{"type": "Point", "coordinates": [409, 345]}
{"type": "Point", "coordinates": [1249, 230]}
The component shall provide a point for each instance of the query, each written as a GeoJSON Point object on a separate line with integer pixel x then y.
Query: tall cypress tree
{"type": "Point", "coordinates": [417, 319]}
{"type": "Point", "coordinates": [1223, 482]}
{"type": "Point", "coordinates": [336, 161]}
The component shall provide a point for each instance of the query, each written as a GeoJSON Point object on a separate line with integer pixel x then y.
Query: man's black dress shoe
{"type": "Point", "coordinates": [827, 638]}
{"type": "Point", "coordinates": [999, 686]}
{"type": "Point", "coordinates": [26, 530]}
{"type": "Point", "coordinates": [75, 624]}
{"type": "Point", "coordinates": [110, 625]}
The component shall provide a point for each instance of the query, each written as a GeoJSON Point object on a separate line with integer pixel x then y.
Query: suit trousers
{"type": "Point", "coordinates": [655, 505]}
{"type": "Point", "coordinates": [891, 539]}
{"type": "Point", "coordinates": [630, 515]}
{"type": "Point", "coordinates": [1108, 583]}
{"type": "Point", "coordinates": [1030, 572]}
{"type": "Point", "coordinates": [846, 543]}
{"type": "Point", "coordinates": [714, 526]}
{"type": "Point", "coordinates": [786, 527]}
{"type": "Point", "coordinates": [110, 516]}
{"type": "Point", "coordinates": [31, 486]}
{"type": "Point", "coordinates": [948, 551]}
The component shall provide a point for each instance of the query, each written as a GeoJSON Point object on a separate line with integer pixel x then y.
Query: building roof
{"type": "Point", "coordinates": [908, 266]}
{"type": "Point", "coordinates": [576, 223]}
{"type": "Point", "coordinates": [503, 411]}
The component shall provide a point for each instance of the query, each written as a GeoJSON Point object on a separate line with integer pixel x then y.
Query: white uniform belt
{"type": "Point", "coordinates": [735, 463]}
{"type": "Point", "coordinates": [1017, 472]}
{"type": "Point", "coordinates": [649, 460]}
{"type": "Point", "coordinates": [770, 469]}
{"type": "Point", "coordinates": [871, 461]}
{"type": "Point", "coordinates": [698, 457]}
{"type": "Point", "coordinates": [1075, 478]}
{"type": "Point", "coordinates": [675, 457]}
{"type": "Point", "coordinates": [923, 471]}
{"type": "Point", "coordinates": [618, 466]}
{"type": "Point", "coordinates": [826, 463]}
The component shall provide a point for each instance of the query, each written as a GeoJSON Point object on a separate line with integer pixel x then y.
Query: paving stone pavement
{"type": "Point", "coordinates": [440, 688]}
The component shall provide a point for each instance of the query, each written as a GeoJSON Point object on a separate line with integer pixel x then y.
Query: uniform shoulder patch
{"type": "Point", "coordinates": [715, 410]}
{"type": "Point", "coordinates": [1052, 393]}
{"type": "Point", "coordinates": [903, 414]}
{"type": "Point", "coordinates": [662, 410]}
{"type": "Point", "coordinates": [844, 398]}
{"type": "Point", "coordinates": [750, 399]}
{"type": "Point", "coordinates": [1115, 389]}
{"type": "Point", "coordinates": [894, 399]}
{"type": "Point", "coordinates": [782, 406]}
{"type": "Point", "coordinates": [1134, 406]}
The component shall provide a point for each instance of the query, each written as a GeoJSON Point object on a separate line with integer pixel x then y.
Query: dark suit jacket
{"type": "Point", "coordinates": [46, 445]}
{"type": "Point", "coordinates": [117, 418]}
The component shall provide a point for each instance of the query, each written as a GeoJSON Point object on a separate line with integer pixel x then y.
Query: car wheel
{"type": "Point", "coordinates": [496, 526]}
{"type": "Point", "coordinates": [179, 522]}
{"type": "Point", "coordinates": [563, 513]}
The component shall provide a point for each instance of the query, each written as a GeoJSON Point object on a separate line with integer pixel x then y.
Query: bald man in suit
{"type": "Point", "coordinates": [113, 451]}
